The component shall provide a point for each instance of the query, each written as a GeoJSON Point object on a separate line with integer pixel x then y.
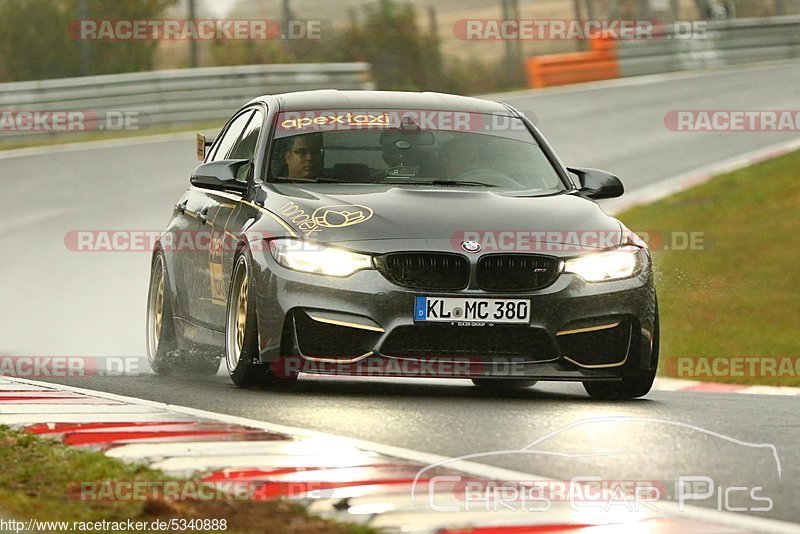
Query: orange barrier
{"type": "Point", "coordinates": [599, 63]}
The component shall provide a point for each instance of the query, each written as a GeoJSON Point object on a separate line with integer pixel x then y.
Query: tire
{"type": "Point", "coordinates": [162, 344]}
{"type": "Point", "coordinates": [633, 385]}
{"type": "Point", "coordinates": [630, 387]}
{"type": "Point", "coordinates": [503, 383]}
{"type": "Point", "coordinates": [241, 329]}
{"type": "Point", "coordinates": [164, 352]}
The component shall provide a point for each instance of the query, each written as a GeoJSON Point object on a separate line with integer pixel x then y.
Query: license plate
{"type": "Point", "coordinates": [451, 309]}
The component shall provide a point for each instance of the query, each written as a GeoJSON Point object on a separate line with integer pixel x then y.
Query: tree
{"type": "Point", "coordinates": [35, 42]}
{"type": "Point", "coordinates": [395, 46]}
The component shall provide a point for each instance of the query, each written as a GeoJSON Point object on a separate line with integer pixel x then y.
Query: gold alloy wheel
{"type": "Point", "coordinates": [236, 320]}
{"type": "Point", "coordinates": [155, 309]}
{"type": "Point", "coordinates": [241, 313]}
{"type": "Point", "coordinates": [159, 309]}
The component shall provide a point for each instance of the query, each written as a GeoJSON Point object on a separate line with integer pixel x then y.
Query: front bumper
{"type": "Point", "coordinates": [364, 325]}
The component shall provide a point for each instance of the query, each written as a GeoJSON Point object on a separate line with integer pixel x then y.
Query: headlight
{"type": "Point", "coordinates": [599, 266]}
{"type": "Point", "coordinates": [318, 259]}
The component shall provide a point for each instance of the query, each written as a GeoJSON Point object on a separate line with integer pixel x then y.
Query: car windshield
{"type": "Point", "coordinates": [435, 149]}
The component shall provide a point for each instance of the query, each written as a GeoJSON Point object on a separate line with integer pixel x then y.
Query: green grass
{"type": "Point", "coordinates": [740, 294]}
{"type": "Point", "coordinates": [35, 474]}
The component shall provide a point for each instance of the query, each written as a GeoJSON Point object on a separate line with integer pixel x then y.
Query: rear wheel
{"type": "Point", "coordinates": [241, 330]}
{"type": "Point", "coordinates": [164, 353]}
{"type": "Point", "coordinates": [162, 347]}
{"type": "Point", "coordinates": [500, 383]}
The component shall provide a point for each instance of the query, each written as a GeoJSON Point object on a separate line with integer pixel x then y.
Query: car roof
{"type": "Point", "coordinates": [335, 99]}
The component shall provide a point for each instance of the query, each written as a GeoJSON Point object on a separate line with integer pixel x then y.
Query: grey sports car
{"type": "Point", "coordinates": [399, 234]}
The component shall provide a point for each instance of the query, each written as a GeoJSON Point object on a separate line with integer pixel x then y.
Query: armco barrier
{"type": "Point", "coordinates": [599, 63]}
{"type": "Point", "coordinates": [172, 97]}
{"type": "Point", "coordinates": [730, 42]}
{"type": "Point", "coordinates": [724, 43]}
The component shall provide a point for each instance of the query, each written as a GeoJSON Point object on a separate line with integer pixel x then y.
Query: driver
{"type": "Point", "coordinates": [303, 157]}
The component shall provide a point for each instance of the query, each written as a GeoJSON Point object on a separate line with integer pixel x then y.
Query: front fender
{"type": "Point", "coordinates": [260, 226]}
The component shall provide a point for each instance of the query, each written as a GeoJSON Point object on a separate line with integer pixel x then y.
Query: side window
{"type": "Point", "coordinates": [231, 136]}
{"type": "Point", "coordinates": [246, 147]}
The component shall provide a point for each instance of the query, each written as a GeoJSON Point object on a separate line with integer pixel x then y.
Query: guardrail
{"type": "Point", "coordinates": [673, 48]}
{"type": "Point", "coordinates": [599, 63]}
{"type": "Point", "coordinates": [729, 42]}
{"type": "Point", "coordinates": [166, 97]}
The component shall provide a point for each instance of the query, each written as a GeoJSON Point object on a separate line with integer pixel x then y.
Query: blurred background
{"type": "Point", "coordinates": [410, 44]}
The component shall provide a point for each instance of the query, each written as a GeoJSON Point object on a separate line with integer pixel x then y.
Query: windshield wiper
{"type": "Point", "coordinates": [437, 182]}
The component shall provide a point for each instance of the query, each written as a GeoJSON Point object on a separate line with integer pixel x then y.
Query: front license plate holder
{"type": "Point", "coordinates": [471, 311]}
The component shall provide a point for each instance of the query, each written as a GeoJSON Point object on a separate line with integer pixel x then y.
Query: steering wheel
{"type": "Point", "coordinates": [487, 176]}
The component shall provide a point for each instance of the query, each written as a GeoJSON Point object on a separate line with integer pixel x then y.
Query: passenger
{"type": "Point", "coordinates": [461, 155]}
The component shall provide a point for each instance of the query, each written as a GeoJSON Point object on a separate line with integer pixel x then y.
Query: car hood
{"type": "Point", "coordinates": [343, 213]}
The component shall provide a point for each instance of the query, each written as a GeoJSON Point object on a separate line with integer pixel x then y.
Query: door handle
{"type": "Point", "coordinates": [203, 215]}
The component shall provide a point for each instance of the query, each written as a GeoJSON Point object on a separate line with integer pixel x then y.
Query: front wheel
{"type": "Point", "coordinates": [241, 330]}
{"type": "Point", "coordinates": [632, 386]}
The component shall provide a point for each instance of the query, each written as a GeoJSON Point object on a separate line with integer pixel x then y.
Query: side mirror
{"type": "Point", "coordinates": [597, 184]}
{"type": "Point", "coordinates": [225, 174]}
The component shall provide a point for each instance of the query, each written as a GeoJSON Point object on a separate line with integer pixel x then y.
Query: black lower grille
{"type": "Point", "coordinates": [516, 272]}
{"type": "Point", "coordinates": [485, 342]}
{"type": "Point", "coordinates": [323, 340]}
{"type": "Point", "coordinates": [597, 347]}
{"type": "Point", "coordinates": [421, 270]}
